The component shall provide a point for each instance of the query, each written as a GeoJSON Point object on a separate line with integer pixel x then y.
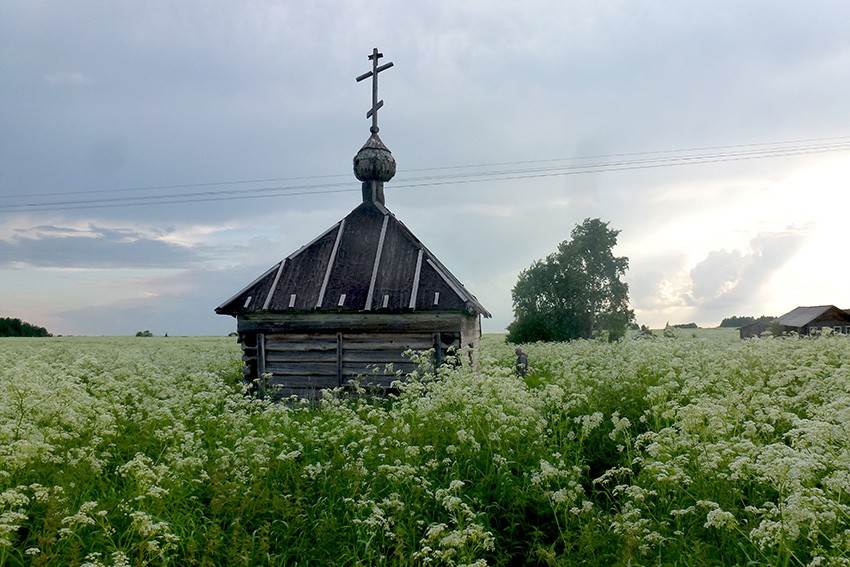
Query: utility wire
{"type": "Point", "coordinates": [843, 140]}
{"type": "Point", "coordinates": [494, 172]}
{"type": "Point", "coordinates": [187, 185]}
{"type": "Point", "coordinates": [833, 139]}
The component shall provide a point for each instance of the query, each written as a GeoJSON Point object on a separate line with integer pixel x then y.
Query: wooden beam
{"type": "Point", "coordinates": [303, 368]}
{"type": "Point", "coordinates": [339, 347]}
{"type": "Point", "coordinates": [444, 275]}
{"type": "Point", "coordinates": [274, 286]}
{"type": "Point", "coordinates": [309, 244]}
{"type": "Point", "coordinates": [261, 365]}
{"type": "Point", "coordinates": [298, 357]}
{"type": "Point", "coordinates": [303, 381]}
{"type": "Point", "coordinates": [377, 263]}
{"type": "Point", "coordinates": [331, 261]}
{"type": "Point", "coordinates": [304, 322]}
{"type": "Point", "coordinates": [414, 292]}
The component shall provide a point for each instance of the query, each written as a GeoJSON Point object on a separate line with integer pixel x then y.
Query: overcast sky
{"type": "Point", "coordinates": [156, 156]}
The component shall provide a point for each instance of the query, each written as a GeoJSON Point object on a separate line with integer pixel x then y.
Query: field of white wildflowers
{"type": "Point", "coordinates": [673, 451]}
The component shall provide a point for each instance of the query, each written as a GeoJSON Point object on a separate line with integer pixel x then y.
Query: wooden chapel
{"type": "Point", "coordinates": [349, 304]}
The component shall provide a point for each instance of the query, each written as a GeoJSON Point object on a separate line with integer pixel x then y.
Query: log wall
{"type": "Point", "coordinates": [294, 356]}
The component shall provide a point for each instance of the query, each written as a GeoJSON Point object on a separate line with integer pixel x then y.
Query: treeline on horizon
{"type": "Point", "coordinates": [16, 328]}
{"type": "Point", "coordinates": [738, 322]}
{"type": "Point", "coordinates": [734, 322]}
{"type": "Point", "coordinates": [12, 327]}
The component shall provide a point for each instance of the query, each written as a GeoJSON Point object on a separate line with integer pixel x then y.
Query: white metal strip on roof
{"type": "Point", "coordinates": [464, 294]}
{"type": "Point", "coordinates": [377, 263]}
{"type": "Point", "coordinates": [309, 244]}
{"type": "Point", "coordinates": [381, 207]}
{"type": "Point", "coordinates": [247, 287]}
{"type": "Point", "coordinates": [268, 300]}
{"type": "Point", "coordinates": [415, 291]}
{"type": "Point", "coordinates": [330, 263]}
{"type": "Point", "coordinates": [444, 271]}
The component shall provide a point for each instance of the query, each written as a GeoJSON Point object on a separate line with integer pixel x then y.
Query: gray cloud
{"type": "Point", "coordinates": [719, 273]}
{"type": "Point", "coordinates": [67, 78]}
{"type": "Point", "coordinates": [182, 304]}
{"type": "Point", "coordinates": [95, 247]}
{"type": "Point", "coordinates": [647, 281]}
{"type": "Point", "coordinates": [727, 281]}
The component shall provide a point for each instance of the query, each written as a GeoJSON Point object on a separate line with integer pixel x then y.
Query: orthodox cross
{"type": "Point", "coordinates": [376, 104]}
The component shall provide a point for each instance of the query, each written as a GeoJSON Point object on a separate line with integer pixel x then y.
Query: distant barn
{"type": "Point", "coordinates": [352, 302]}
{"type": "Point", "coordinates": [803, 321]}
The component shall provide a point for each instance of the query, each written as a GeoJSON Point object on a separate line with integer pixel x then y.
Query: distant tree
{"type": "Point", "coordinates": [17, 328]}
{"type": "Point", "coordinates": [738, 322]}
{"type": "Point", "coordinates": [686, 326]}
{"type": "Point", "coordinates": [144, 334]}
{"type": "Point", "coordinates": [574, 292]}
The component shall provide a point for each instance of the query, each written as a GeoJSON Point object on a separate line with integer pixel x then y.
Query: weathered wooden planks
{"type": "Point", "coordinates": [302, 352]}
{"type": "Point", "coordinates": [327, 322]}
{"type": "Point", "coordinates": [298, 362]}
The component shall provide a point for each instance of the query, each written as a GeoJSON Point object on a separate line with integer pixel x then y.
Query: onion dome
{"type": "Point", "coordinates": [374, 161]}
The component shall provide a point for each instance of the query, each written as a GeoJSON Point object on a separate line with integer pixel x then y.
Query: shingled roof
{"type": "Point", "coordinates": [368, 261]}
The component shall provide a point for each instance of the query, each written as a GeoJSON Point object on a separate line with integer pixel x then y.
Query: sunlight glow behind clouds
{"type": "Point", "coordinates": [772, 239]}
{"type": "Point", "coordinates": [107, 97]}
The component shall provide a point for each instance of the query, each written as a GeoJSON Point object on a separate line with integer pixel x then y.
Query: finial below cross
{"type": "Point", "coordinates": [376, 104]}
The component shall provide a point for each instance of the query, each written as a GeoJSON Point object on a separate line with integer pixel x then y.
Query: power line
{"type": "Point", "coordinates": [180, 198]}
{"type": "Point", "coordinates": [661, 161]}
{"type": "Point", "coordinates": [495, 172]}
{"type": "Point", "coordinates": [176, 200]}
{"type": "Point", "coordinates": [187, 185]}
{"type": "Point", "coordinates": [833, 139]}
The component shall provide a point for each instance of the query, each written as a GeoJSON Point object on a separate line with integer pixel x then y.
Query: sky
{"type": "Point", "coordinates": [156, 157]}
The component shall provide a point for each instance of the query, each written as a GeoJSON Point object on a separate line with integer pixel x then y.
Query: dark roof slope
{"type": "Point", "coordinates": [802, 316]}
{"type": "Point", "coordinates": [368, 261]}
